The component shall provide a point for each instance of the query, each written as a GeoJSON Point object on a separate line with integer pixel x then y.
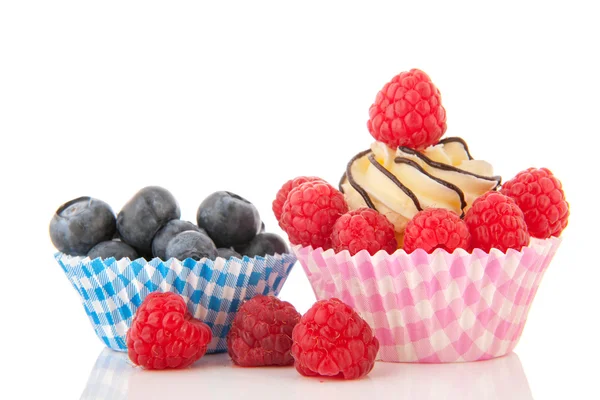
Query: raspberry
{"type": "Point", "coordinates": [436, 228]}
{"type": "Point", "coordinates": [539, 194]}
{"type": "Point", "coordinates": [408, 112]}
{"type": "Point", "coordinates": [287, 187]}
{"type": "Point", "coordinates": [496, 221]}
{"type": "Point", "coordinates": [261, 333]}
{"type": "Point", "coordinates": [309, 213]}
{"type": "Point", "coordinates": [363, 229]}
{"type": "Point", "coordinates": [163, 334]}
{"type": "Point", "coordinates": [331, 339]}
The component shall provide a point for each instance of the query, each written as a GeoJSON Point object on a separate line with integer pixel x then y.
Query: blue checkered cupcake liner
{"type": "Point", "coordinates": [112, 290]}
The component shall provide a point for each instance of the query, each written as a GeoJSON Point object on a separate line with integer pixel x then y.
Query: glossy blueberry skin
{"type": "Point", "coordinates": [143, 216]}
{"type": "Point", "coordinates": [113, 248]}
{"type": "Point", "coordinates": [228, 219]}
{"type": "Point", "coordinates": [80, 224]}
{"type": "Point", "coordinates": [265, 243]}
{"type": "Point", "coordinates": [191, 244]}
{"type": "Point", "coordinates": [168, 232]}
{"type": "Point", "coordinates": [227, 253]}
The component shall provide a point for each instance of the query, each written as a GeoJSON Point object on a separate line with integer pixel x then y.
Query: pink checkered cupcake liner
{"type": "Point", "coordinates": [439, 307]}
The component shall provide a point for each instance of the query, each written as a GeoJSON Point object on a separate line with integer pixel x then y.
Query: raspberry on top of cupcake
{"type": "Point", "coordinates": [430, 189]}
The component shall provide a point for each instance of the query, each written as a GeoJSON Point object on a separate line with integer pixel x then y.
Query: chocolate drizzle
{"type": "Point", "coordinates": [396, 182]}
{"type": "Point", "coordinates": [405, 160]}
{"type": "Point", "coordinates": [348, 175]}
{"type": "Point", "coordinates": [457, 140]}
{"type": "Point", "coordinates": [451, 186]}
{"type": "Point", "coordinates": [447, 167]}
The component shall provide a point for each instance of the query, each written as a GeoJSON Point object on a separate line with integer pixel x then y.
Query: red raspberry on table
{"type": "Point", "coordinates": [261, 333]}
{"type": "Point", "coordinates": [331, 339]}
{"type": "Point", "coordinates": [408, 112]}
{"type": "Point", "coordinates": [163, 334]}
{"type": "Point", "coordinates": [436, 228]}
{"type": "Point", "coordinates": [539, 195]}
{"type": "Point", "coordinates": [309, 213]}
{"type": "Point", "coordinates": [363, 229]}
{"type": "Point", "coordinates": [287, 187]}
{"type": "Point", "coordinates": [496, 221]}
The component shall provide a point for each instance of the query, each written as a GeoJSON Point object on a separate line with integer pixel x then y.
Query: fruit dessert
{"type": "Point", "coordinates": [149, 225]}
{"type": "Point", "coordinates": [116, 261]}
{"type": "Point", "coordinates": [422, 239]}
{"type": "Point", "coordinates": [400, 182]}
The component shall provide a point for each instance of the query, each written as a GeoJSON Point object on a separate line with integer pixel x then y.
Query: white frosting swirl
{"type": "Point", "coordinates": [399, 183]}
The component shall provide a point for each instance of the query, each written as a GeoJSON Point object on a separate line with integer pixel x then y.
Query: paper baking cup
{"type": "Point", "coordinates": [438, 307]}
{"type": "Point", "coordinates": [111, 291]}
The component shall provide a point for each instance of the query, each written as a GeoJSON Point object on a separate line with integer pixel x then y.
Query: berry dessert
{"type": "Point", "coordinates": [149, 225]}
{"type": "Point", "coordinates": [164, 335]}
{"type": "Point", "coordinates": [332, 340]}
{"type": "Point", "coordinates": [400, 183]}
{"type": "Point", "coordinates": [421, 236]}
{"type": "Point", "coordinates": [261, 333]}
{"type": "Point", "coordinates": [216, 263]}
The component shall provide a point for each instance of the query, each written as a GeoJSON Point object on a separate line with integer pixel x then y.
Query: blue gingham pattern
{"type": "Point", "coordinates": [111, 290]}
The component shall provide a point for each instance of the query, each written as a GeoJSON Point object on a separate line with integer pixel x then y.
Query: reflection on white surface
{"type": "Point", "coordinates": [214, 376]}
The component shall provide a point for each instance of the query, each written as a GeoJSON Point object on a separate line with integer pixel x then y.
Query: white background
{"type": "Point", "coordinates": [104, 98]}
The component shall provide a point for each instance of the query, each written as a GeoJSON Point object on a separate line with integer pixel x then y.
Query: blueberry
{"type": "Point", "coordinates": [265, 243]}
{"type": "Point", "coordinates": [227, 253]}
{"type": "Point", "coordinates": [144, 214]}
{"type": "Point", "coordinates": [191, 244]}
{"type": "Point", "coordinates": [80, 224]}
{"type": "Point", "coordinates": [228, 219]}
{"type": "Point", "coordinates": [113, 248]}
{"type": "Point", "coordinates": [168, 232]}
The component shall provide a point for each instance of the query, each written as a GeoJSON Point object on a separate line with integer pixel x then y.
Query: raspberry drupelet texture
{"type": "Point", "coordinates": [363, 229]}
{"type": "Point", "coordinates": [496, 221]}
{"type": "Point", "coordinates": [436, 228]}
{"type": "Point", "coordinates": [408, 112]}
{"type": "Point", "coordinates": [331, 339]}
{"type": "Point", "coordinates": [285, 190]}
{"type": "Point", "coordinates": [540, 196]}
{"type": "Point", "coordinates": [164, 335]}
{"type": "Point", "coordinates": [309, 213]}
{"type": "Point", "coordinates": [261, 333]}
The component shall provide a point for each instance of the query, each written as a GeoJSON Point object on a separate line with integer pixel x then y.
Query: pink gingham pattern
{"type": "Point", "coordinates": [438, 307]}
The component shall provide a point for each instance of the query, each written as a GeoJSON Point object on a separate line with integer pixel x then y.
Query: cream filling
{"type": "Point", "coordinates": [401, 182]}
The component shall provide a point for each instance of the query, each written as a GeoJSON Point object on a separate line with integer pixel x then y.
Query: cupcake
{"type": "Point", "coordinates": [115, 261]}
{"type": "Point", "coordinates": [422, 239]}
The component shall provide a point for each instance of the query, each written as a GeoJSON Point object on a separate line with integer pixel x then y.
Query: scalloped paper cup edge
{"type": "Point", "coordinates": [437, 307]}
{"type": "Point", "coordinates": [112, 290]}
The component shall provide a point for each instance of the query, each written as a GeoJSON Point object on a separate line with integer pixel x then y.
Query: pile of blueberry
{"type": "Point", "coordinates": [149, 225]}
